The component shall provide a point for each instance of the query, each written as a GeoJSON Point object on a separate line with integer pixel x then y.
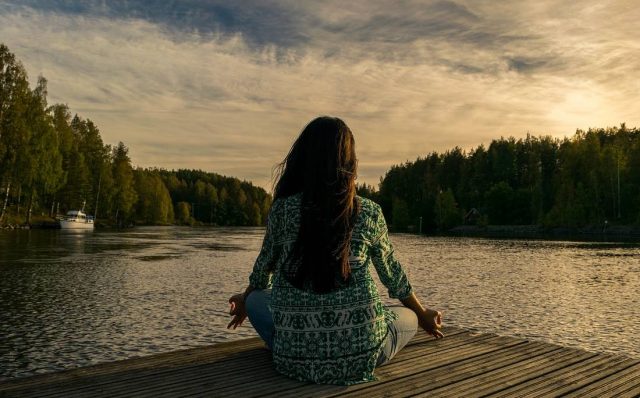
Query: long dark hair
{"type": "Point", "coordinates": [322, 165]}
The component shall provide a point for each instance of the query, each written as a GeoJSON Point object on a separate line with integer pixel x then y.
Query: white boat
{"type": "Point", "coordinates": [76, 219]}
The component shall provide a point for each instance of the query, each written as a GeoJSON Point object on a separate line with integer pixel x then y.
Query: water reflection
{"type": "Point", "coordinates": [70, 300]}
{"type": "Point", "coordinates": [576, 294]}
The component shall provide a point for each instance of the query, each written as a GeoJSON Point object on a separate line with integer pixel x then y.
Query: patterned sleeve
{"type": "Point", "coordinates": [264, 266]}
{"type": "Point", "coordinates": [389, 269]}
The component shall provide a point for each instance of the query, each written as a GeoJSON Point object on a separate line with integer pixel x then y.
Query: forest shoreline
{"type": "Point", "coordinates": [52, 162]}
{"type": "Point", "coordinates": [538, 232]}
{"type": "Point", "coordinates": [626, 233]}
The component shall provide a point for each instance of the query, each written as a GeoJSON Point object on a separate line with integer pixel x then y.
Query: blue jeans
{"type": "Point", "coordinates": [400, 332]}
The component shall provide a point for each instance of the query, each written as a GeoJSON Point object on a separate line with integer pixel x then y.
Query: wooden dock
{"type": "Point", "coordinates": [462, 364]}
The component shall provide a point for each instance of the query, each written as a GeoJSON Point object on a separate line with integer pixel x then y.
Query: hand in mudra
{"type": "Point", "coordinates": [238, 311]}
{"type": "Point", "coordinates": [431, 322]}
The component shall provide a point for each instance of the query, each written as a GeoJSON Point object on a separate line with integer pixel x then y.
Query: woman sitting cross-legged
{"type": "Point", "coordinates": [311, 296]}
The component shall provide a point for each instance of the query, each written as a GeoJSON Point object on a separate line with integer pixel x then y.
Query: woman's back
{"type": "Point", "coordinates": [333, 337]}
{"type": "Point", "coordinates": [323, 317]}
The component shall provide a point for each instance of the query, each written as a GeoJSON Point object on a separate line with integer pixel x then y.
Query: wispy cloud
{"type": "Point", "coordinates": [224, 87]}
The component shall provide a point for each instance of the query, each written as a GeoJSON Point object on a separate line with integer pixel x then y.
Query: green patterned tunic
{"type": "Point", "coordinates": [332, 338]}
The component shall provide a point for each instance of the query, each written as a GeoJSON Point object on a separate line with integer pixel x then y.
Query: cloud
{"type": "Point", "coordinates": [261, 22]}
{"type": "Point", "coordinates": [227, 88]}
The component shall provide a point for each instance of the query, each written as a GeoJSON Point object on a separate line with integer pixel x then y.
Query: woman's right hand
{"type": "Point", "coordinates": [431, 322]}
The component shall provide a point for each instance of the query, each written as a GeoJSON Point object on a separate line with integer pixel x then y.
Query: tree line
{"type": "Point", "coordinates": [51, 162]}
{"type": "Point", "coordinates": [589, 179]}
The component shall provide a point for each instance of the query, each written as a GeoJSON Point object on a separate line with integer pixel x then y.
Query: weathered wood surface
{"type": "Point", "coordinates": [462, 364]}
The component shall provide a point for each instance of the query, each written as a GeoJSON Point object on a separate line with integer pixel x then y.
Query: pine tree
{"type": "Point", "coordinates": [125, 195]}
{"type": "Point", "coordinates": [14, 101]}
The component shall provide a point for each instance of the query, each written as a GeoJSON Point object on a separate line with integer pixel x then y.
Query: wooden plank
{"type": "Point", "coordinates": [252, 359]}
{"type": "Point", "coordinates": [155, 362]}
{"type": "Point", "coordinates": [557, 381]}
{"type": "Point", "coordinates": [470, 350]}
{"type": "Point", "coordinates": [515, 375]}
{"type": "Point", "coordinates": [497, 379]}
{"type": "Point", "coordinates": [210, 386]}
{"type": "Point", "coordinates": [588, 376]}
{"type": "Point", "coordinates": [463, 364]}
{"type": "Point", "coordinates": [631, 392]}
{"type": "Point", "coordinates": [623, 383]}
{"type": "Point", "coordinates": [73, 379]}
{"type": "Point", "coordinates": [444, 377]}
{"type": "Point", "coordinates": [215, 372]}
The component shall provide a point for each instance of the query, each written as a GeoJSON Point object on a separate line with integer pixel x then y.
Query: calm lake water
{"type": "Point", "coordinates": [76, 299]}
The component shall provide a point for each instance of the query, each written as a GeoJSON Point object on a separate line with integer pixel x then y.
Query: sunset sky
{"type": "Point", "coordinates": [226, 86]}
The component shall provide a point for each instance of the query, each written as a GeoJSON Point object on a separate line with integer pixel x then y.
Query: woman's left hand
{"type": "Point", "coordinates": [238, 311]}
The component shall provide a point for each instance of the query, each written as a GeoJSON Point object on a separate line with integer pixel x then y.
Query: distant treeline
{"type": "Point", "coordinates": [201, 197]}
{"type": "Point", "coordinates": [51, 162]}
{"type": "Point", "coordinates": [589, 179]}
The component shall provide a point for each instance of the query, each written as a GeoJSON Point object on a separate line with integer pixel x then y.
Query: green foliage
{"type": "Point", "coordinates": [499, 200]}
{"type": "Point", "coordinates": [198, 197]}
{"type": "Point", "coordinates": [56, 162]}
{"type": "Point", "coordinates": [583, 180]}
{"type": "Point", "coordinates": [51, 161]}
{"type": "Point", "coordinates": [183, 214]}
{"type": "Point", "coordinates": [15, 99]}
{"type": "Point", "coordinates": [367, 191]}
{"type": "Point", "coordinates": [400, 215]}
{"type": "Point", "coordinates": [125, 195]}
{"type": "Point", "coordinates": [446, 211]}
{"type": "Point", "coordinates": [216, 199]}
{"type": "Point", "coordinates": [154, 202]}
